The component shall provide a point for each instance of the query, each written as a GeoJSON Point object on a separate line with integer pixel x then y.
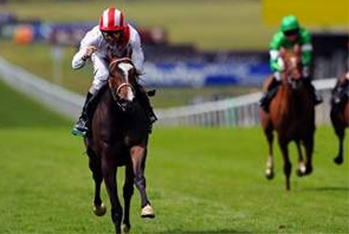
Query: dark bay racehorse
{"type": "Point", "coordinates": [292, 116]}
{"type": "Point", "coordinates": [119, 138]}
{"type": "Point", "coordinates": [340, 112]}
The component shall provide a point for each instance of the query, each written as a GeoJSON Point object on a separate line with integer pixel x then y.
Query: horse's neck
{"type": "Point", "coordinates": [107, 100]}
{"type": "Point", "coordinates": [287, 98]}
{"type": "Point", "coordinates": [298, 99]}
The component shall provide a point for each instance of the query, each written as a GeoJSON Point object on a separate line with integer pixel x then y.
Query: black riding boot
{"type": "Point", "coordinates": [268, 96]}
{"type": "Point", "coordinates": [80, 127]}
{"type": "Point", "coordinates": [317, 99]}
{"type": "Point", "coordinates": [145, 103]}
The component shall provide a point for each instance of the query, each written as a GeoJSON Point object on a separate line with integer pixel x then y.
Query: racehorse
{"type": "Point", "coordinates": [119, 137]}
{"type": "Point", "coordinates": [340, 113]}
{"type": "Point", "coordinates": [291, 115]}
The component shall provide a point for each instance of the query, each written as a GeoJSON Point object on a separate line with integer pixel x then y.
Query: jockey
{"type": "Point", "coordinates": [112, 35]}
{"type": "Point", "coordinates": [289, 35]}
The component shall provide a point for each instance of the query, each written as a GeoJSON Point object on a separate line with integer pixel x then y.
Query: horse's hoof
{"type": "Point", "coordinates": [338, 160]}
{"type": "Point", "coordinates": [308, 170]}
{"type": "Point", "coordinates": [125, 228]}
{"type": "Point", "coordinates": [99, 210]}
{"type": "Point", "coordinates": [147, 212]}
{"type": "Point", "coordinates": [299, 172]}
{"type": "Point", "coordinates": [269, 174]}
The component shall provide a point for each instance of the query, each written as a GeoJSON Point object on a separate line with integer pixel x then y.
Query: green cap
{"type": "Point", "coordinates": [289, 23]}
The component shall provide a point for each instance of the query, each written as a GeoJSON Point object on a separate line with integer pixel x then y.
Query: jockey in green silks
{"type": "Point", "coordinates": [290, 34]}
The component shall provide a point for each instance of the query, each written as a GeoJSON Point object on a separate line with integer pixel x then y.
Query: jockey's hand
{"type": "Point", "coordinates": [281, 64]}
{"type": "Point", "coordinates": [89, 51]}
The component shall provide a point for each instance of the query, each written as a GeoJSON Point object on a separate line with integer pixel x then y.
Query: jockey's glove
{"type": "Point", "coordinates": [281, 64]}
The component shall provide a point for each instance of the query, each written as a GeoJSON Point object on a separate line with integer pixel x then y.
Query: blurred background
{"type": "Point", "coordinates": [196, 51]}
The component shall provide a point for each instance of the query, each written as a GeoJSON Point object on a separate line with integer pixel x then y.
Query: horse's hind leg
{"type": "Point", "coordinates": [95, 166]}
{"type": "Point", "coordinates": [138, 156]}
{"type": "Point", "coordinates": [127, 193]}
{"type": "Point", "coordinates": [268, 132]}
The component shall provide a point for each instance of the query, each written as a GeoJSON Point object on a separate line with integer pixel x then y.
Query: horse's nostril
{"type": "Point", "coordinates": [126, 105]}
{"type": "Point", "coordinates": [123, 104]}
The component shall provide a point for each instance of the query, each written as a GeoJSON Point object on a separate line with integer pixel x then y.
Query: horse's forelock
{"type": "Point", "coordinates": [125, 67]}
{"type": "Point", "coordinates": [121, 74]}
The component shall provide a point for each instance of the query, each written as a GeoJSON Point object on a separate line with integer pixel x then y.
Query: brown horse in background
{"type": "Point", "coordinates": [340, 112]}
{"type": "Point", "coordinates": [119, 138]}
{"type": "Point", "coordinates": [292, 116]}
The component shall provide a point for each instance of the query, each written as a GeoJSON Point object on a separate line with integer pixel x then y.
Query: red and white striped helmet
{"type": "Point", "coordinates": [111, 20]}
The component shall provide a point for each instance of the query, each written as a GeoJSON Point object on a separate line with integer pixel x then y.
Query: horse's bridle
{"type": "Point", "coordinates": [115, 93]}
{"type": "Point", "coordinates": [291, 65]}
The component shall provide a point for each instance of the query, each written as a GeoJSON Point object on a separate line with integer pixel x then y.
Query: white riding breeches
{"type": "Point", "coordinates": [100, 73]}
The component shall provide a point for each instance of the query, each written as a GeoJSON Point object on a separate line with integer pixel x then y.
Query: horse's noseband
{"type": "Point", "coordinates": [295, 83]}
{"type": "Point", "coordinates": [123, 85]}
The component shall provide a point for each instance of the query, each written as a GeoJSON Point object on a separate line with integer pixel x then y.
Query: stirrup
{"type": "Point", "coordinates": [264, 105]}
{"type": "Point", "coordinates": [152, 119]}
{"type": "Point", "coordinates": [79, 132]}
{"type": "Point", "coordinates": [80, 128]}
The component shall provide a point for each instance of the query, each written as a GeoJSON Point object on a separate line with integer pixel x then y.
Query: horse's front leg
{"type": "Point", "coordinates": [95, 166]}
{"type": "Point", "coordinates": [301, 166]}
{"type": "Point", "coordinates": [138, 156]}
{"type": "Point", "coordinates": [339, 129]}
{"type": "Point", "coordinates": [309, 148]}
{"type": "Point", "coordinates": [109, 174]}
{"type": "Point", "coordinates": [127, 193]}
{"type": "Point", "coordinates": [287, 163]}
{"type": "Point", "coordinates": [340, 134]}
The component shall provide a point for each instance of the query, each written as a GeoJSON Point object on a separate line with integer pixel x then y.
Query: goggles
{"type": "Point", "coordinates": [291, 32]}
{"type": "Point", "coordinates": [111, 34]}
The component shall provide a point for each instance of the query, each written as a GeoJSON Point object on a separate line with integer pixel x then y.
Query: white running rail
{"type": "Point", "coordinates": [238, 111]}
{"type": "Point", "coordinates": [53, 96]}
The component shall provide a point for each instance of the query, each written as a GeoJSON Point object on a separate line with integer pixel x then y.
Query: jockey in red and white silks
{"type": "Point", "coordinates": [113, 37]}
{"type": "Point", "coordinates": [97, 41]}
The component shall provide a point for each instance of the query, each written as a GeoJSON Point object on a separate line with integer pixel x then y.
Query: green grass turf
{"type": "Point", "coordinates": [17, 110]}
{"type": "Point", "coordinates": [200, 180]}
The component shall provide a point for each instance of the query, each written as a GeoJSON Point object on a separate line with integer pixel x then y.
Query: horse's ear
{"type": "Point", "coordinates": [128, 52]}
{"type": "Point", "coordinates": [111, 66]}
{"type": "Point", "coordinates": [133, 75]}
